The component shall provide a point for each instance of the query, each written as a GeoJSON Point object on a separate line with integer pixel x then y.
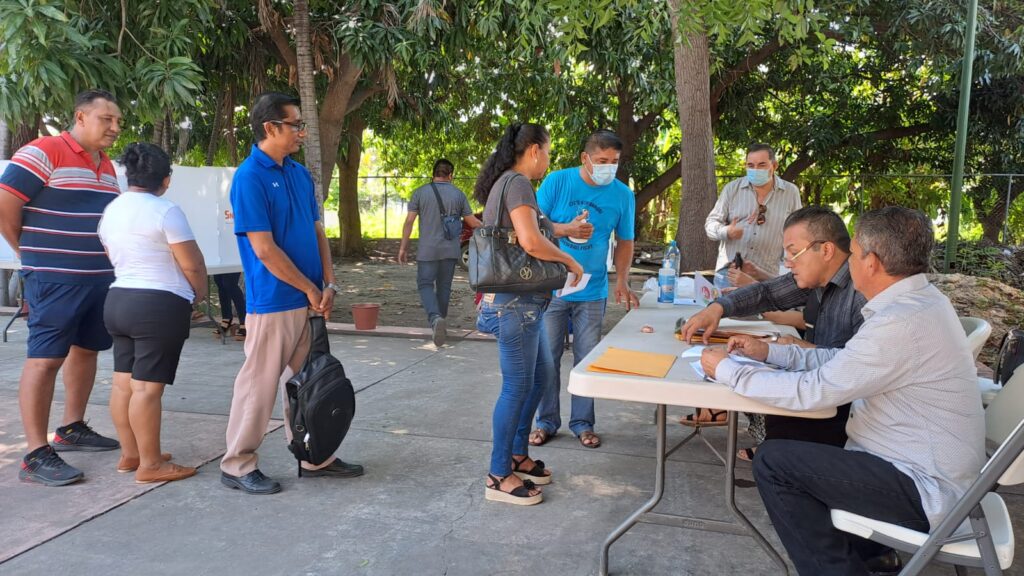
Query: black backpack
{"type": "Point", "coordinates": [1011, 355]}
{"type": "Point", "coordinates": [321, 400]}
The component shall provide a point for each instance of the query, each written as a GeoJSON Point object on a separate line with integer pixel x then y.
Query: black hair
{"type": "Point", "coordinates": [146, 165]}
{"type": "Point", "coordinates": [759, 147]}
{"type": "Point", "coordinates": [269, 107]}
{"type": "Point", "coordinates": [86, 97]}
{"type": "Point", "coordinates": [511, 147]}
{"type": "Point", "coordinates": [443, 168]}
{"type": "Point", "coordinates": [902, 238]}
{"type": "Point", "coordinates": [602, 140]}
{"type": "Point", "coordinates": [822, 224]}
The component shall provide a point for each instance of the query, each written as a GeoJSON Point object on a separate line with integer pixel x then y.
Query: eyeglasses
{"type": "Point", "coordinates": [297, 126]}
{"type": "Point", "coordinates": [762, 210]}
{"type": "Point", "coordinates": [801, 253]}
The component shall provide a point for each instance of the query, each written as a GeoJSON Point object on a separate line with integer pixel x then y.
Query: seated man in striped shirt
{"type": "Point", "coordinates": [908, 372]}
{"type": "Point", "coordinates": [53, 195]}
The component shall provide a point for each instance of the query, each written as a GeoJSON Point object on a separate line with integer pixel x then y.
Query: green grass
{"type": "Point", "coordinates": [372, 224]}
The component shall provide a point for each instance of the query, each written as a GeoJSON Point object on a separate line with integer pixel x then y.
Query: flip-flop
{"type": "Point", "coordinates": [594, 439]}
{"type": "Point", "coordinates": [692, 419]}
{"type": "Point", "coordinates": [746, 454]}
{"type": "Point", "coordinates": [539, 437]}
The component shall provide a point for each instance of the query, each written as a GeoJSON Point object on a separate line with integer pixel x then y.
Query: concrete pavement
{"type": "Point", "coordinates": [422, 429]}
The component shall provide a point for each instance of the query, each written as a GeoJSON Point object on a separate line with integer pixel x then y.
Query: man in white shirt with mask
{"type": "Point", "coordinates": [586, 204]}
{"type": "Point", "coordinates": [749, 215]}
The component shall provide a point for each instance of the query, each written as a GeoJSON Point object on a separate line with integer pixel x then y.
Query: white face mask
{"type": "Point", "coordinates": [603, 174]}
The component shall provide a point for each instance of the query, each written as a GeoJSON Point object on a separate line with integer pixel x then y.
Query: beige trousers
{"type": "Point", "coordinates": [276, 346]}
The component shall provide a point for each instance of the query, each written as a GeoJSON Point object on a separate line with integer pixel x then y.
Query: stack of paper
{"type": "Point", "coordinates": [619, 361]}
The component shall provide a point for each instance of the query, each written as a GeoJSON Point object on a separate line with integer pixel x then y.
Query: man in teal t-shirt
{"type": "Point", "coordinates": [587, 204]}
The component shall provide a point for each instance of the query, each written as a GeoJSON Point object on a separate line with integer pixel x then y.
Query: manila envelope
{"type": "Point", "coordinates": [620, 361]}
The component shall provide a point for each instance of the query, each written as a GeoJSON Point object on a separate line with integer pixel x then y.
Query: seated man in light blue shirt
{"type": "Point", "coordinates": [908, 372]}
{"type": "Point", "coordinates": [586, 204]}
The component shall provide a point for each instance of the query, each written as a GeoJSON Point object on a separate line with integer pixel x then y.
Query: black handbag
{"type": "Point", "coordinates": [497, 263]}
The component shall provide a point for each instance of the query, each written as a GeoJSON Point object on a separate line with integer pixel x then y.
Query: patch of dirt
{"type": "Point", "coordinates": [999, 304]}
{"type": "Point", "coordinates": [380, 279]}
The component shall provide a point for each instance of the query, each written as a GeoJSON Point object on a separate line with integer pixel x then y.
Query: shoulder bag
{"type": "Point", "coordinates": [497, 263]}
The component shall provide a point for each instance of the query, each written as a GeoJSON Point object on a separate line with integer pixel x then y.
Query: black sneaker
{"type": "Point", "coordinates": [336, 469]}
{"type": "Point", "coordinates": [79, 436]}
{"type": "Point", "coordinates": [46, 467]}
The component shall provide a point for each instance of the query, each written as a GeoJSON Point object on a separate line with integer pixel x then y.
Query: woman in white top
{"type": "Point", "coordinates": [159, 273]}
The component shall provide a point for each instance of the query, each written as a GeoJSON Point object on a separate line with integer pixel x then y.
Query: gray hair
{"type": "Point", "coordinates": [902, 238]}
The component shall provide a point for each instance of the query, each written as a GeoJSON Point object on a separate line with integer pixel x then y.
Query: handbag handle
{"type": "Point", "coordinates": [503, 208]}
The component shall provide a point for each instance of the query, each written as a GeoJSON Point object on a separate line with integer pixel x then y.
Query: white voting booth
{"type": "Point", "coordinates": [204, 195]}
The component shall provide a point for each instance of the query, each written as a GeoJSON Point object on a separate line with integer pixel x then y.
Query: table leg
{"type": "Point", "coordinates": [18, 314]}
{"type": "Point", "coordinates": [659, 491]}
{"type": "Point", "coordinates": [730, 494]}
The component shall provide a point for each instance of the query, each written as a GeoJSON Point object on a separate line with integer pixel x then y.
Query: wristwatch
{"type": "Point", "coordinates": [333, 286]}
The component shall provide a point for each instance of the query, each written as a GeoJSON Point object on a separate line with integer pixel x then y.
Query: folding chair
{"type": "Point", "coordinates": [977, 331]}
{"type": "Point", "coordinates": [977, 531]}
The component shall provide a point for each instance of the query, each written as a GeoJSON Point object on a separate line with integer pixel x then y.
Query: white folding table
{"type": "Point", "coordinates": [682, 386]}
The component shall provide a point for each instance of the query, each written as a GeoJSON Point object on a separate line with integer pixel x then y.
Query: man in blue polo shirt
{"type": "Point", "coordinates": [591, 204]}
{"type": "Point", "coordinates": [52, 196]}
{"type": "Point", "coordinates": [288, 272]}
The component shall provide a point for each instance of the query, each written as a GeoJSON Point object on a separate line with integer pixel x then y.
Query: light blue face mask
{"type": "Point", "coordinates": [758, 177]}
{"type": "Point", "coordinates": [603, 174]}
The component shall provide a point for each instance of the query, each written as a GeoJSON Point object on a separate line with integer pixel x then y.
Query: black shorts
{"type": "Point", "coordinates": [149, 328]}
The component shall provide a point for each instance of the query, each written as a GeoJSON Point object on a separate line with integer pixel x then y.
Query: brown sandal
{"type": "Point", "coordinates": [589, 436]}
{"type": "Point", "coordinates": [718, 418]}
{"type": "Point", "coordinates": [540, 437]}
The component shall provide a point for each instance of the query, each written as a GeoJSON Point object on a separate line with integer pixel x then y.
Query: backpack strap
{"type": "Point", "coordinates": [318, 342]}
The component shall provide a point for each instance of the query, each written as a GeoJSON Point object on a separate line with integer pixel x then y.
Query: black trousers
{"type": "Point", "coordinates": [230, 293]}
{"type": "Point", "coordinates": [800, 482]}
{"type": "Point", "coordinates": [830, 431]}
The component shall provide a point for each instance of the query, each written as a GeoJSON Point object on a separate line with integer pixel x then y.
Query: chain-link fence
{"type": "Point", "coordinates": [383, 200]}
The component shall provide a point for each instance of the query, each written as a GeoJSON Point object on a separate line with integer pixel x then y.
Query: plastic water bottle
{"type": "Point", "coordinates": [671, 259]}
{"type": "Point", "coordinates": [666, 285]}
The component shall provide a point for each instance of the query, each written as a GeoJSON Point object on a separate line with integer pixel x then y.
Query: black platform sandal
{"type": "Point", "coordinates": [226, 327]}
{"type": "Point", "coordinates": [519, 495]}
{"type": "Point", "coordinates": [537, 474]}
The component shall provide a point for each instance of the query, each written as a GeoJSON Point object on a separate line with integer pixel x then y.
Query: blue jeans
{"type": "Point", "coordinates": [586, 318]}
{"type": "Point", "coordinates": [434, 281]}
{"type": "Point", "coordinates": [518, 322]}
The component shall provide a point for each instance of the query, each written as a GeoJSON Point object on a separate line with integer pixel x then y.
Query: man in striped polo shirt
{"type": "Point", "coordinates": [53, 195]}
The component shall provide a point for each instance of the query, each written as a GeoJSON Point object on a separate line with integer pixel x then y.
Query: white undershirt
{"type": "Point", "coordinates": [137, 230]}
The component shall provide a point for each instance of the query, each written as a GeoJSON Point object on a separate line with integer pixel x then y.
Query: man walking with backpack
{"type": "Point", "coordinates": [288, 272]}
{"type": "Point", "coordinates": [441, 207]}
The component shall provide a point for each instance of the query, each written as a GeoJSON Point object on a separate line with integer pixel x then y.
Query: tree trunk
{"type": "Point", "coordinates": [348, 189]}
{"type": "Point", "coordinates": [307, 93]}
{"type": "Point", "coordinates": [168, 130]}
{"type": "Point", "coordinates": [218, 126]}
{"type": "Point", "coordinates": [693, 92]}
{"type": "Point", "coordinates": [993, 218]}
{"type": "Point", "coordinates": [5, 141]}
{"type": "Point", "coordinates": [24, 134]}
{"type": "Point", "coordinates": [184, 135]}
{"type": "Point", "coordinates": [229, 129]}
{"type": "Point", "coordinates": [158, 132]}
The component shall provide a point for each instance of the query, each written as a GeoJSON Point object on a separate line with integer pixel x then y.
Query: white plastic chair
{"type": "Point", "coordinates": [977, 532]}
{"type": "Point", "coordinates": [977, 331]}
